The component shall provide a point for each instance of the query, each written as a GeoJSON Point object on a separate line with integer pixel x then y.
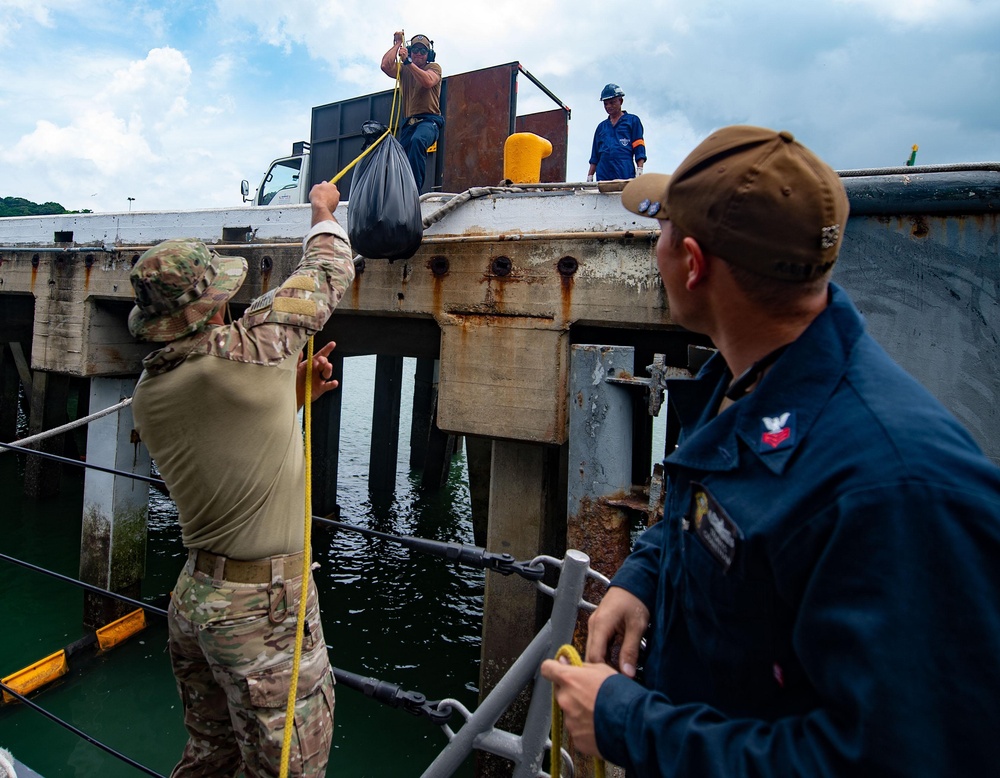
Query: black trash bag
{"type": "Point", "coordinates": [383, 211]}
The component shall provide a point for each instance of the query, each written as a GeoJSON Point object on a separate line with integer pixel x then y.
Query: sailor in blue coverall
{"type": "Point", "coordinates": [619, 150]}
{"type": "Point", "coordinates": [823, 593]}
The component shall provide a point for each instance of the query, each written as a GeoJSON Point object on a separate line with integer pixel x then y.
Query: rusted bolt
{"type": "Point", "coordinates": [34, 260]}
{"type": "Point", "coordinates": [439, 266]}
{"type": "Point", "coordinates": [400, 296]}
{"type": "Point", "coordinates": [501, 266]}
{"type": "Point", "coordinates": [567, 266]}
{"type": "Point", "coordinates": [266, 263]}
{"type": "Point", "coordinates": [89, 260]}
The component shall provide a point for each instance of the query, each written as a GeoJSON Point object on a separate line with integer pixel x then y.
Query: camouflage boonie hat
{"type": "Point", "coordinates": [179, 285]}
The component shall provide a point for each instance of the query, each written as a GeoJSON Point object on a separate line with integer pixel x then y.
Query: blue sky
{"type": "Point", "coordinates": [174, 103]}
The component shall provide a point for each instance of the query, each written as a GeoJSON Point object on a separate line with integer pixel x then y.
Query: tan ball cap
{"type": "Point", "coordinates": [755, 197]}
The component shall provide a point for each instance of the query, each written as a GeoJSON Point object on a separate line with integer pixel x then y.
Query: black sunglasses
{"type": "Point", "coordinates": [419, 50]}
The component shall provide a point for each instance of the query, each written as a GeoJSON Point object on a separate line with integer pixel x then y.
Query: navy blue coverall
{"type": "Point", "coordinates": [616, 147]}
{"type": "Point", "coordinates": [824, 588]}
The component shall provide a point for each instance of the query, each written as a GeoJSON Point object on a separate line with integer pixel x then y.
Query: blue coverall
{"type": "Point", "coordinates": [616, 146]}
{"type": "Point", "coordinates": [824, 588]}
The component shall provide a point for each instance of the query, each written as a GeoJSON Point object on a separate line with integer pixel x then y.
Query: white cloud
{"type": "Point", "coordinates": [915, 12]}
{"type": "Point", "coordinates": [173, 104]}
{"type": "Point", "coordinates": [14, 12]}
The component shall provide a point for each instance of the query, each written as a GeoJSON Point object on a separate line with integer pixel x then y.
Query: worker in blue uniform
{"type": "Point", "coordinates": [619, 150]}
{"type": "Point", "coordinates": [822, 596]}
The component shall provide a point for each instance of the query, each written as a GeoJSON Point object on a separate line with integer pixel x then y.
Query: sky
{"type": "Point", "coordinates": [172, 104]}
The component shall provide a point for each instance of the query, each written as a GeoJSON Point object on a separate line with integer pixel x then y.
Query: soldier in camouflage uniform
{"type": "Point", "coordinates": [217, 408]}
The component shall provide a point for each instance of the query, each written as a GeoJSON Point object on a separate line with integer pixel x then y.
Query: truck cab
{"type": "Point", "coordinates": [286, 181]}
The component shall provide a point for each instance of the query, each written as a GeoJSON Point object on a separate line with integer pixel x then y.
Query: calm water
{"type": "Point", "coordinates": [387, 612]}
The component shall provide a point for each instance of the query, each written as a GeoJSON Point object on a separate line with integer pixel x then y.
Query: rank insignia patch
{"type": "Point", "coordinates": [777, 432]}
{"type": "Point", "coordinates": [712, 526]}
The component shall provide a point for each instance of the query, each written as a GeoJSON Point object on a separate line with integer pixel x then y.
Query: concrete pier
{"type": "Point", "coordinates": [498, 293]}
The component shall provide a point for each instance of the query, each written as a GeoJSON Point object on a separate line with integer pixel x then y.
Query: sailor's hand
{"type": "Point", "coordinates": [403, 53]}
{"type": "Point", "coordinates": [576, 691]}
{"type": "Point", "coordinates": [620, 615]}
{"type": "Point", "coordinates": [397, 37]}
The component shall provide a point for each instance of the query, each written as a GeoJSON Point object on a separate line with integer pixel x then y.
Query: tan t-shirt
{"type": "Point", "coordinates": [217, 411]}
{"type": "Point", "coordinates": [419, 99]}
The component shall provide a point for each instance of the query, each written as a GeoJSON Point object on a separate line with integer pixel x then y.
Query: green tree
{"type": "Point", "coordinates": [18, 206]}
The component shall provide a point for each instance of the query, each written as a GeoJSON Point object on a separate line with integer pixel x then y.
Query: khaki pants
{"type": "Point", "coordinates": [232, 647]}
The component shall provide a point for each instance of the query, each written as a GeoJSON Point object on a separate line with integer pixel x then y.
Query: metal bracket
{"type": "Point", "coordinates": [656, 383]}
{"type": "Point", "coordinates": [505, 564]}
{"type": "Point", "coordinates": [416, 704]}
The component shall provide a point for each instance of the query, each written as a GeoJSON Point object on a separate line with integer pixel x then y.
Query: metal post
{"type": "Point", "coordinates": [600, 455]}
{"type": "Point", "coordinates": [527, 750]}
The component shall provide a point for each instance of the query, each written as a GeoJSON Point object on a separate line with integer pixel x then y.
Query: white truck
{"type": "Point", "coordinates": [286, 181]}
{"type": "Point", "coordinates": [469, 152]}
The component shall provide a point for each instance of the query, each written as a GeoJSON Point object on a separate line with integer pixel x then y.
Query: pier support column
{"type": "Point", "coordinates": [431, 449]}
{"type": "Point", "coordinates": [424, 390]}
{"type": "Point", "coordinates": [9, 394]}
{"type": "Point", "coordinates": [385, 425]}
{"type": "Point", "coordinates": [527, 507]}
{"type": "Point", "coordinates": [326, 416]}
{"type": "Point", "coordinates": [440, 450]}
{"type": "Point", "coordinates": [115, 508]}
{"type": "Point", "coordinates": [601, 424]}
{"type": "Point", "coordinates": [479, 457]}
{"type": "Point", "coordinates": [49, 393]}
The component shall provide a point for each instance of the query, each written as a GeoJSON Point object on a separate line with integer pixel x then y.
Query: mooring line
{"type": "Point", "coordinates": [80, 733]}
{"type": "Point", "coordinates": [67, 427]}
{"type": "Point", "coordinates": [83, 585]}
{"type": "Point", "coordinates": [67, 461]}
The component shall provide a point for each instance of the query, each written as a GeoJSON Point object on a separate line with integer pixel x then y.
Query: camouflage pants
{"type": "Point", "coordinates": [232, 647]}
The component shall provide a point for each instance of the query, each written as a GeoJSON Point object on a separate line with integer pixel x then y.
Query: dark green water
{"type": "Point", "coordinates": [390, 613]}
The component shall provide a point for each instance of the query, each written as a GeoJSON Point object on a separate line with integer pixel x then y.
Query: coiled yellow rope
{"type": "Point", "coordinates": [555, 770]}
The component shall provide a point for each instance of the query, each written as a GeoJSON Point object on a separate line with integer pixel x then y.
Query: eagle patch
{"type": "Point", "coordinates": [777, 432]}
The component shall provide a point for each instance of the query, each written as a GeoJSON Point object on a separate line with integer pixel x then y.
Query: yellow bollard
{"type": "Point", "coordinates": [523, 153]}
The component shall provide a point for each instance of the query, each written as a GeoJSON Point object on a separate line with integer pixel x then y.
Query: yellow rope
{"type": "Point", "coordinates": [396, 92]}
{"type": "Point", "coordinates": [557, 721]}
{"type": "Point", "coordinates": [304, 594]}
{"type": "Point", "coordinates": [307, 422]}
{"type": "Point", "coordinates": [390, 130]}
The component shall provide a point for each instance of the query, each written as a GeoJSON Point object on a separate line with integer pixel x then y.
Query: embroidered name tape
{"type": "Point", "coordinates": [712, 526]}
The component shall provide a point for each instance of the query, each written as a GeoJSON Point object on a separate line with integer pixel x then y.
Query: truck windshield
{"type": "Point", "coordinates": [281, 183]}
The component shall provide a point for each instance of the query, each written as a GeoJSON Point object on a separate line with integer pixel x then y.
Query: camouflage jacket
{"type": "Point", "coordinates": [277, 324]}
